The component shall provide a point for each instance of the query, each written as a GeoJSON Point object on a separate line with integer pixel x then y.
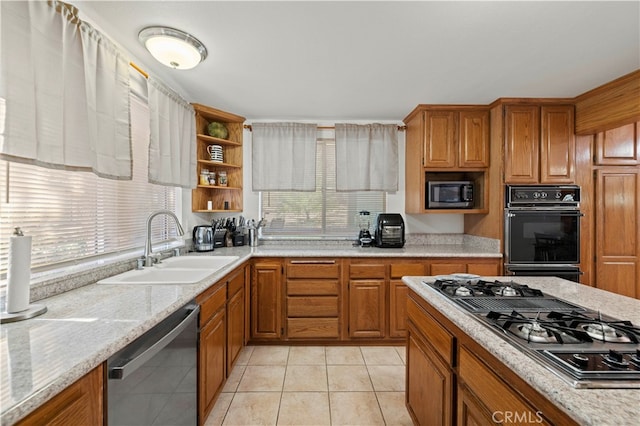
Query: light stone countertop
{"type": "Point", "coordinates": [84, 326]}
{"type": "Point", "coordinates": [596, 407]}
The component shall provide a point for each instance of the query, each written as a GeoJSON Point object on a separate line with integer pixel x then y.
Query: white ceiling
{"type": "Point", "coordinates": [377, 60]}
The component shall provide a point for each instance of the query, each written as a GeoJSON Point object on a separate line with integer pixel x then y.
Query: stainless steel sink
{"type": "Point", "coordinates": [173, 271]}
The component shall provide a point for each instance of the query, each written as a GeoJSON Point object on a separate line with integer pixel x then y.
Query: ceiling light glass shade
{"type": "Point", "coordinates": [173, 48]}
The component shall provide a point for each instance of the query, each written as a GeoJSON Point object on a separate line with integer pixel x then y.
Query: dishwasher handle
{"type": "Point", "coordinates": [122, 371]}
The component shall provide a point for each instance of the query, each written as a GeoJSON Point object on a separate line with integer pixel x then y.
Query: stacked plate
{"type": "Point", "coordinates": [215, 152]}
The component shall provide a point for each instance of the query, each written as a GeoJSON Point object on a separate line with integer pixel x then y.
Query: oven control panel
{"type": "Point", "coordinates": [565, 195]}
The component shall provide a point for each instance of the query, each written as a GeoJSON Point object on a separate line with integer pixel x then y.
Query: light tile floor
{"type": "Point", "coordinates": [314, 385]}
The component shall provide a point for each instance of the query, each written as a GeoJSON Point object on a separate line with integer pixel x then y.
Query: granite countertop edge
{"type": "Point", "coordinates": [583, 405]}
{"type": "Point", "coordinates": [64, 307]}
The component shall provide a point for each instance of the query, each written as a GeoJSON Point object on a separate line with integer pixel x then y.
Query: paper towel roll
{"type": "Point", "coordinates": [18, 274]}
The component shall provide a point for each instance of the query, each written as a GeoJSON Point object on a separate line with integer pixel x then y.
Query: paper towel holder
{"type": "Point", "coordinates": [32, 311]}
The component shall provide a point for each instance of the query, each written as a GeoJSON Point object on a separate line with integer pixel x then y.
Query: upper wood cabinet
{"type": "Point", "coordinates": [456, 139]}
{"type": "Point", "coordinates": [619, 146]}
{"type": "Point", "coordinates": [539, 144]}
{"type": "Point", "coordinates": [227, 196]}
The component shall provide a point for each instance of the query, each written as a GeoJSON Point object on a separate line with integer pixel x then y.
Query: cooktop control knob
{"type": "Point", "coordinates": [580, 360]}
{"type": "Point", "coordinates": [558, 195]}
{"type": "Point", "coordinates": [536, 195]}
{"type": "Point", "coordinates": [615, 359]}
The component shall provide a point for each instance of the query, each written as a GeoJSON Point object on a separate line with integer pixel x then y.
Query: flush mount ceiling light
{"type": "Point", "coordinates": [173, 48]}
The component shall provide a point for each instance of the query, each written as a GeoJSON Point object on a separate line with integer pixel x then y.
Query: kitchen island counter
{"type": "Point", "coordinates": [585, 406]}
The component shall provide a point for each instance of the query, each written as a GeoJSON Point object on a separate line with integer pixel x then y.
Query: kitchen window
{"type": "Point", "coordinates": [75, 216]}
{"type": "Point", "coordinates": [324, 213]}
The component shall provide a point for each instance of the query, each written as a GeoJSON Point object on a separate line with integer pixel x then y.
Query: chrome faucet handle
{"type": "Point", "coordinates": [176, 251]}
{"type": "Point", "coordinates": [140, 263]}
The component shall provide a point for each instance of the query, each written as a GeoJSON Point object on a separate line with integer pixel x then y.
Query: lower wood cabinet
{"type": "Point", "coordinates": [212, 347]}
{"type": "Point", "coordinates": [79, 404]}
{"type": "Point", "coordinates": [266, 300]}
{"type": "Point", "coordinates": [313, 299]}
{"type": "Point", "coordinates": [367, 308]}
{"type": "Point", "coordinates": [451, 379]}
{"type": "Point", "coordinates": [430, 384]}
{"type": "Point", "coordinates": [235, 318]}
{"type": "Point", "coordinates": [484, 267]}
{"type": "Point", "coordinates": [222, 336]}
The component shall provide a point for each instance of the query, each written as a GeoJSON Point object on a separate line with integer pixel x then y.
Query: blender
{"type": "Point", "coordinates": [364, 221]}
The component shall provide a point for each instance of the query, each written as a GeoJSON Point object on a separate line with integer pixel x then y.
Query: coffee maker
{"type": "Point", "coordinates": [364, 222]}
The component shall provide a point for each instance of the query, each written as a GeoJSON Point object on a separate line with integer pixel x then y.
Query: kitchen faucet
{"type": "Point", "coordinates": [148, 258]}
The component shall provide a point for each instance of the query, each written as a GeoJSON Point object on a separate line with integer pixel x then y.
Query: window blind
{"type": "Point", "coordinates": [323, 213]}
{"type": "Point", "coordinates": [76, 215]}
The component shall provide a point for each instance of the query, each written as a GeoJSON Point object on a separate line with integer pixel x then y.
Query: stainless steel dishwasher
{"type": "Point", "coordinates": [153, 380]}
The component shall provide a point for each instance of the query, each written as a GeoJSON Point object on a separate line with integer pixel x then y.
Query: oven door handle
{"type": "Point", "coordinates": [122, 371]}
{"type": "Point", "coordinates": [514, 213]}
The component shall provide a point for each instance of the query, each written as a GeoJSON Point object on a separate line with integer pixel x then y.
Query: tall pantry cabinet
{"type": "Point", "coordinates": [617, 210]}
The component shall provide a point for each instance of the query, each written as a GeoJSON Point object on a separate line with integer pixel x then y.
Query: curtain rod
{"type": "Point", "coordinates": [400, 128]}
{"type": "Point", "coordinates": [140, 70]}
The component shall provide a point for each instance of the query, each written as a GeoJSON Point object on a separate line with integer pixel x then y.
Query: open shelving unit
{"type": "Point", "coordinates": [232, 154]}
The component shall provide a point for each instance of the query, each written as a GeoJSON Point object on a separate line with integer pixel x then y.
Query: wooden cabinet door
{"type": "Point", "coordinates": [557, 144]}
{"type": "Point", "coordinates": [79, 404]}
{"type": "Point", "coordinates": [617, 235]}
{"type": "Point", "coordinates": [619, 146]}
{"type": "Point", "coordinates": [266, 301]}
{"type": "Point", "coordinates": [485, 269]}
{"type": "Point", "coordinates": [473, 141]}
{"type": "Point", "coordinates": [522, 144]}
{"type": "Point", "coordinates": [366, 308]}
{"type": "Point", "coordinates": [472, 412]}
{"type": "Point", "coordinates": [429, 386]}
{"type": "Point", "coordinates": [397, 309]}
{"type": "Point", "coordinates": [440, 139]}
{"type": "Point", "coordinates": [211, 363]}
{"type": "Point", "coordinates": [235, 328]}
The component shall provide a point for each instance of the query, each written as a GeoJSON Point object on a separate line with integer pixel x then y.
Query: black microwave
{"type": "Point", "coordinates": [449, 195]}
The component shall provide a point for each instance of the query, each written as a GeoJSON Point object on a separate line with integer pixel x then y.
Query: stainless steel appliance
{"type": "Point", "coordinates": [389, 230]}
{"type": "Point", "coordinates": [542, 231]}
{"type": "Point", "coordinates": [153, 380]}
{"type": "Point", "coordinates": [449, 195]}
{"type": "Point", "coordinates": [203, 238]}
{"type": "Point", "coordinates": [581, 346]}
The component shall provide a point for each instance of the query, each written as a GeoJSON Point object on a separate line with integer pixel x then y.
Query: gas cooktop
{"type": "Point", "coordinates": [582, 346]}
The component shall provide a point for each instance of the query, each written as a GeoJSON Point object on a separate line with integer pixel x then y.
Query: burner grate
{"type": "Point", "coordinates": [525, 304]}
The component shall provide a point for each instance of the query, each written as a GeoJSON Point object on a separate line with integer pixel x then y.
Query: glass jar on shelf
{"type": "Point", "coordinates": [204, 177]}
{"type": "Point", "coordinates": [222, 178]}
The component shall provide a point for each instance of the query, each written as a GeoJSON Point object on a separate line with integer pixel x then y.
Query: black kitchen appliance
{"type": "Point", "coordinates": [449, 195]}
{"type": "Point", "coordinates": [542, 230]}
{"type": "Point", "coordinates": [203, 238]}
{"type": "Point", "coordinates": [389, 230]}
{"type": "Point", "coordinates": [581, 346]}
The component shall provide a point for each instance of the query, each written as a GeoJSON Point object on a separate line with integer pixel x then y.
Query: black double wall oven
{"type": "Point", "coordinates": [542, 230]}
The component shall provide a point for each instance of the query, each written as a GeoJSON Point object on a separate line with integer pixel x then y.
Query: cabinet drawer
{"type": "Point", "coordinates": [211, 304]}
{"type": "Point", "coordinates": [235, 283]}
{"type": "Point", "coordinates": [399, 270]}
{"type": "Point", "coordinates": [312, 287]}
{"type": "Point", "coordinates": [366, 271]}
{"type": "Point", "coordinates": [311, 328]}
{"type": "Point", "coordinates": [447, 268]}
{"type": "Point", "coordinates": [435, 334]}
{"type": "Point", "coordinates": [312, 306]}
{"type": "Point", "coordinates": [496, 396]}
{"type": "Point", "coordinates": [313, 268]}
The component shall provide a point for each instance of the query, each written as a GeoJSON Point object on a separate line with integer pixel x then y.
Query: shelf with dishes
{"type": "Point", "coordinates": [219, 161]}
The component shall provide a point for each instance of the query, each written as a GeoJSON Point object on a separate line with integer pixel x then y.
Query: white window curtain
{"type": "Point", "coordinates": [63, 91]}
{"type": "Point", "coordinates": [172, 142]}
{"type": "Point", "coordinates": [284, 156]}
{"type": "Point", "coordinates": [367, 157]}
